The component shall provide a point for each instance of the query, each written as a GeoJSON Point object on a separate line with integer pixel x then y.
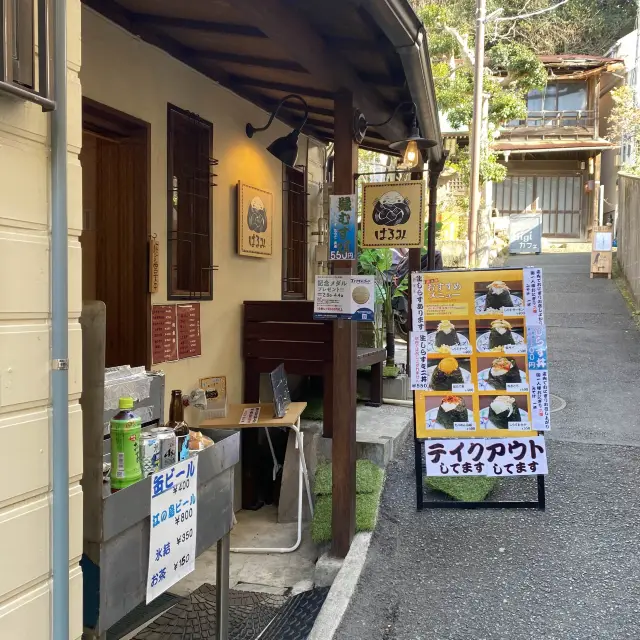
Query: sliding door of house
{"type": "Point", "coordinates": [557, 198]}
{"type": "Point", "coordinates": [560, 201]}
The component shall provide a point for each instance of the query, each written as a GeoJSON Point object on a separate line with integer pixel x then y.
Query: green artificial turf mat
{"type": "Point", "coordinates": [463, 489]}
{"type": "Point", "coordinates": [390, 372]}
{"type": "Point", "coordinates": [313, 410]}
{"type": "Point", "coordinates": [366, 516]}
{"type": "Point", "coordinates": [369, 478]}
{"type": "Point", "coordinates": [369, 481]}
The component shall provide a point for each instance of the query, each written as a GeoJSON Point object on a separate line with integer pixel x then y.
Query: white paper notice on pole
{"type": "Point", "coordinates": [417, 302]}
{"type": "Point", "coordinates": [172, 535]}
{"type": "Point", "coordinates": [419, 377]}
{"type": "Point", "coordinates": [344, 298]}
{"type": "Point", "coordinates": [496, 457]}
{"type": "Point", "coordinates": [533, 302]}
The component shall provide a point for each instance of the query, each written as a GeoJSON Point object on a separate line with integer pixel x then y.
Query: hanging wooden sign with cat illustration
{"type": "Point", "coordinates": [255, 221]}
{"type": "Point", "coordinates": [393, 214]}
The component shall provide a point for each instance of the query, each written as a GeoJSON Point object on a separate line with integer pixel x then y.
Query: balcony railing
{"type": "Point", "coordinates": [548, 120]}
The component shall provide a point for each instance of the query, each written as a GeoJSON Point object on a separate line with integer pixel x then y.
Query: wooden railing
{"type": "Point", "coordinates": [285, 332]}
{"type": "Point", "coordinates": [554, 120]}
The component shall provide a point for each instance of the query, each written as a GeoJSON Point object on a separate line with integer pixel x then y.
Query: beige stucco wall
{"type": "Point", "coordinates": [25, 391]}
{"type": "Point", "coordinates": [127, 74]}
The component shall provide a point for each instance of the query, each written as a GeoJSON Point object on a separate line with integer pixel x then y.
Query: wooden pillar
{"type": "Point", "coordinates": [344, 353]}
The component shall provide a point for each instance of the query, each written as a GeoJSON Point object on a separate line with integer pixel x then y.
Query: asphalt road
{"type": "Point", "coordinates": [570, 573]}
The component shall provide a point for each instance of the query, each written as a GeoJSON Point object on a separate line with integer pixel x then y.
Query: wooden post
{"type": "Point", "coordinates": [343, 445]}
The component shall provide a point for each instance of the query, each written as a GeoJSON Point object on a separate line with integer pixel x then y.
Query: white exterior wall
{"type": "Point", "coordinates": [25, 361]}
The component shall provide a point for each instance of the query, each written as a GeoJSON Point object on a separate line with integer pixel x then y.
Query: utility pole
{"type": "Point", "coordinates": [476, 130]}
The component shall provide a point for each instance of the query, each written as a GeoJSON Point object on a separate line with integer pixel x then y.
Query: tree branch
{"type": "Point", "coordinates": [532, 13]}
{"type": "Point", "coordinates": [467, 54]}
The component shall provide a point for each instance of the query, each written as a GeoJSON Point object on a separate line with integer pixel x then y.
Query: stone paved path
{"type": "Point", "coordinates": [571, 573]}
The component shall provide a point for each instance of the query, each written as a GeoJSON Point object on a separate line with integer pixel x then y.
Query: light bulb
{"type": "Point", "coordinates": [410, 159]}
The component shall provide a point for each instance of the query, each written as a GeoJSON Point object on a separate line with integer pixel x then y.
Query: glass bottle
{"type": "Point", "coordinates": [179, 426]}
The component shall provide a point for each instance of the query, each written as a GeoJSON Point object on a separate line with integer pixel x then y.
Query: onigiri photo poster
{"type": "Point", "coordinates": [477, 378]}
{"type": "Point", "coordinates": [255, 221]}
{"type": "Point", "coordinates": [393, 214]}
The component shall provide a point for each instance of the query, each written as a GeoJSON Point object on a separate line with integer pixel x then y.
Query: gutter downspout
{"type": "Point", "coordinates": [406, 33]}
{"type": "Point", "coordinates": [60, 330]}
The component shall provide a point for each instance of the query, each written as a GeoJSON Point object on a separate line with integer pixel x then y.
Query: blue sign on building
{"type": "Point", "coordinates": [342, 227]}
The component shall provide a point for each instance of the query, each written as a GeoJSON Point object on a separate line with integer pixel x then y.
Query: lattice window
{"type": "Point", "coordinates": [190, 178]}
{"type": "Point", "coordinates": [294, 234]}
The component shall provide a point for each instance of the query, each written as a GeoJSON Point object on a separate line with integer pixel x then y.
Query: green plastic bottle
{"type": "Point", "coordinates": [125, 446]}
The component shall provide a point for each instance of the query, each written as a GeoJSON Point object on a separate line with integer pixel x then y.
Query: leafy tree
{"type": "Point", "coordinates": [579, 26]}
{"type": "Point", "coordinates": [512, 70]}
{"type": "Point", "coordinates": [624, 124]}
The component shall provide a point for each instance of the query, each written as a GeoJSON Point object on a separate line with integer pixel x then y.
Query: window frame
{"type": "Point", "coordinates": [19, 76]}
{"type": "Point", "coordinates": [288, 293]}
{"type": "Point", "coordinates": [176, 293]}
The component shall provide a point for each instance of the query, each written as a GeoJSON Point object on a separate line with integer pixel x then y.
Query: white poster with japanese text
{"type": "Point", "coordinates": [417, 301]}
{"type": "Point", "coordinates": [496, 457]}
{"type": "Point", "coordinates": [344, 297]}
{"type": "Point", "coordinates": [172, 534]}
{"type": "Point", "coordinates": [533, 301]}
{"type": "Point", "coordinates": [419, 366]}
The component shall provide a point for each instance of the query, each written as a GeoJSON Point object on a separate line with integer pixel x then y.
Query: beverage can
{"type": "Point", "coordinates": [167, 443]}
{"type": "Point", "coordinates": [125, 447]}
{"type": "Point", "coordinates": [149, 453]}
{"type": "Point", "coordinates": [182, 446]}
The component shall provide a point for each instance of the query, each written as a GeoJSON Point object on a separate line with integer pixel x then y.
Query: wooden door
{"type": "Point", "coordinates": [118, 233]}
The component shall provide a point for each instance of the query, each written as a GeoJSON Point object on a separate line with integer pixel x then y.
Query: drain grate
{"type": "Point", "coordinates": [295, 619]}
{"type": "Point", "coordinates": [194, 618]}
{"type": "Point", "coordinates": [557, 403]}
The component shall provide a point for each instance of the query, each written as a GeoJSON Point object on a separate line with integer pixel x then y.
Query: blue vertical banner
{"type": "Point", "coordinates": [342, 227]}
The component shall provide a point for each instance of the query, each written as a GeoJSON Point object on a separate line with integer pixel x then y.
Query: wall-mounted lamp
{"type": "Point", "coordinates": [411, 145]}
{"type": "Point", "coordinates": [506, 155]}
{"type": "Point", "coordinates": [286, 147]}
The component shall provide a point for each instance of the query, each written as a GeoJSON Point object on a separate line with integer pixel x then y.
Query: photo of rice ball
{"type": "Point", "coordinates": [501, 335]}
{"type": "Point", "coordinates": [446, 337]}
{"type": "Point", "coordinates": [449, 371]}
{"type": "Point", "coordinates": [443, 412]}
{"type": "Point", "coordinates": [360, 295]}
{"type": "Point", "coordinates": [492, 298]}
{"type": "Point", "coordinates": [501, 412]}
{"type": "Point", "coordinates": [391, 209]}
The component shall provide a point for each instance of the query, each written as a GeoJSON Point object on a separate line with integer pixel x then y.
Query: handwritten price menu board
{"type": "Point", "coordinates": [479, 354]}
{"type": "Point", "coordinates": [189, 342]}
{"type": "Point", "coordinates": [164, 333]}
{"type": "Point", "coordinates": [175, 332]}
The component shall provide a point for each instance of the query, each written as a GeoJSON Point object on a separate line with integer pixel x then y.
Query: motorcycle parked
{"type": "Point", "coordinates": [400, 303]}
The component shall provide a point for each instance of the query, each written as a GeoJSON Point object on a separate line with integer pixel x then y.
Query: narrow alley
{"type": "Point", "coordinates": [569, 573]}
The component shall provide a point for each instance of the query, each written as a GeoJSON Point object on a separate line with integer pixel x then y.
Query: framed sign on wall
{"type": "Point", "coordinates": [393, 214]}
{"type": "Point", "coordinates": [255, 221]}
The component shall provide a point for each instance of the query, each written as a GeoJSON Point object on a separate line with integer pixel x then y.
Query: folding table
{"type": "Point", "coordinates": [291, 420]}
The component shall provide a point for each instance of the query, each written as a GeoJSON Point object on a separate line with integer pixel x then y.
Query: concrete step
{"type": "Point", "coordinates": [380, 433]}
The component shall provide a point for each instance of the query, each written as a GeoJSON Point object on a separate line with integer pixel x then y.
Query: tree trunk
{"type": "Point", "coordinates": [391, 343]}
